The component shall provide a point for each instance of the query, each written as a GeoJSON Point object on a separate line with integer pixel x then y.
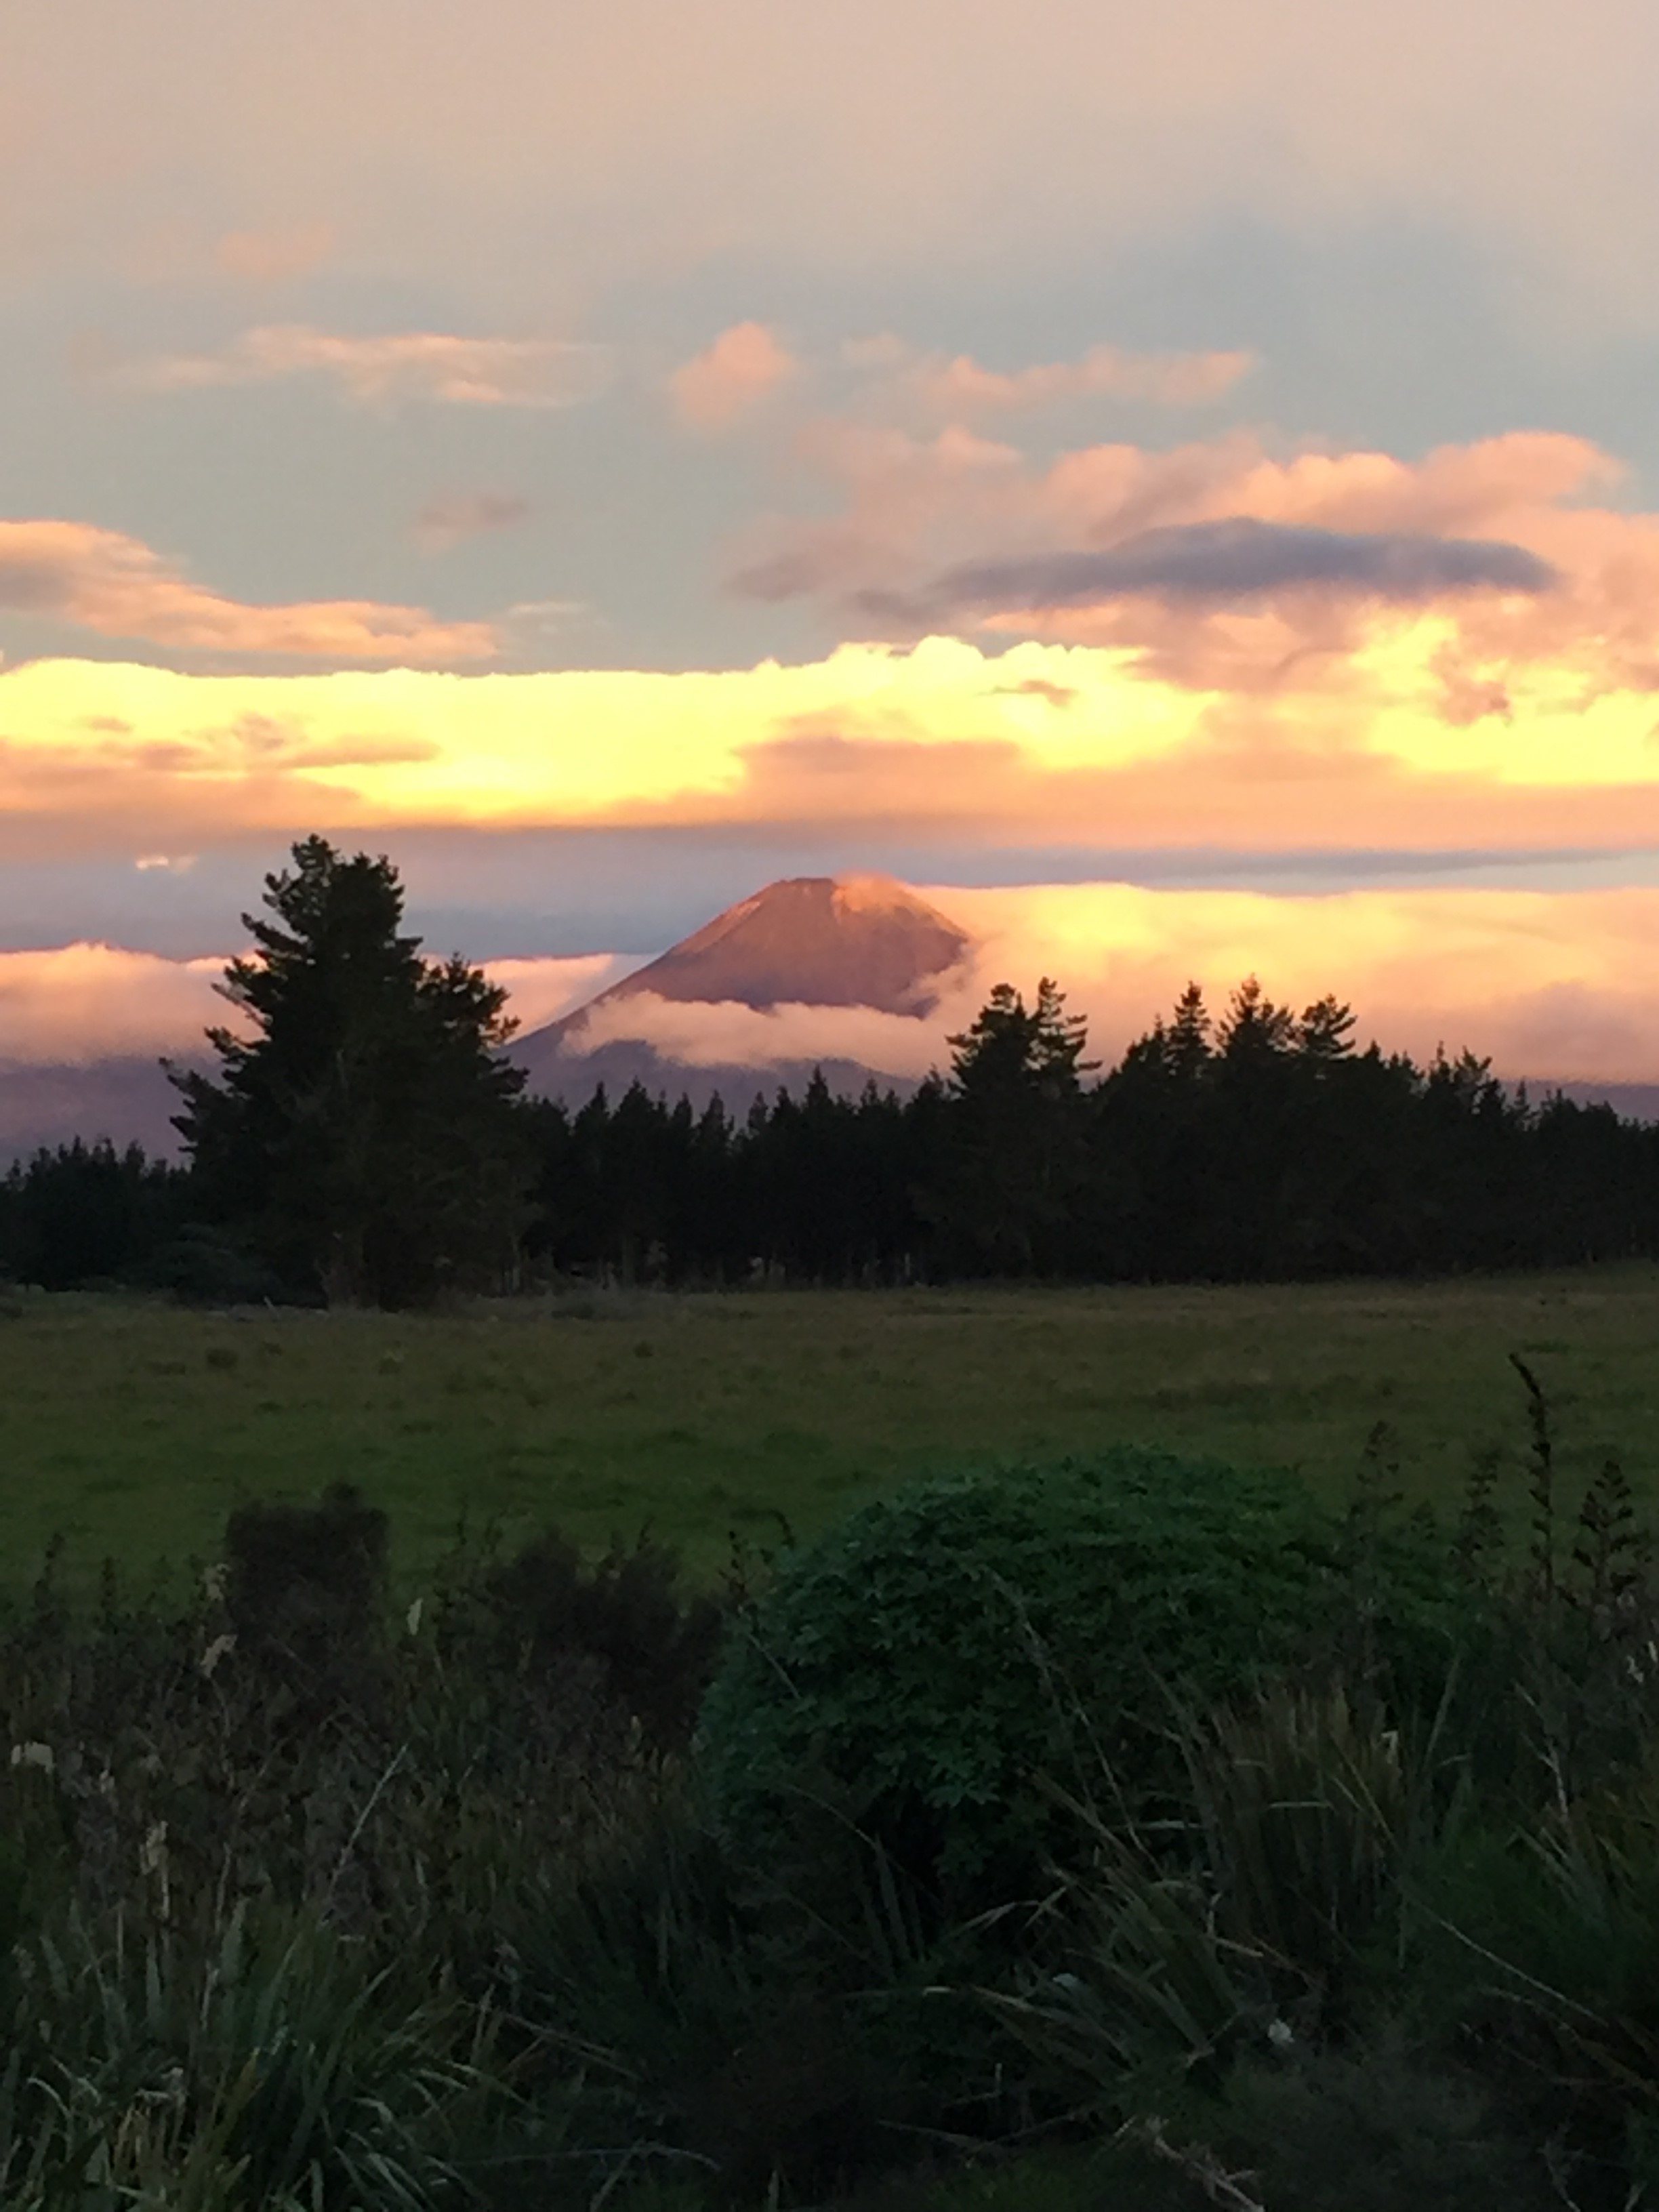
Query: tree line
{"type": "Point", "coordinates": [367, 1138]}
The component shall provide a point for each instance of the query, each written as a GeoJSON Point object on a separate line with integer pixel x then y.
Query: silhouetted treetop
{"type": "Point", "coordinates": [362, 1126]}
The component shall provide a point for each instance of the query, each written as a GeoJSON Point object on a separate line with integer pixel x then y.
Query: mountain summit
{"type": "Point", "coordinates": [844, 941]}
{"type": "Point", "coordinates": [813, 941]}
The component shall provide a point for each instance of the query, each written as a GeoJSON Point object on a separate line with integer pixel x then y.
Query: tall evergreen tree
{"type": "Point", "coordinates": [1016, 1155]}
{"type": "Point", "coordinates": [363, 1129]}
{"type": "Point", "coordinates": [1325, 1032]}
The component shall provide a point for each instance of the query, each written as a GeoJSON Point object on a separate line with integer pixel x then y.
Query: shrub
{"type": "Point", "coordinates": [304, 1590]}
{"type": "Point", "coordinates": [654, 1649]}
{"type": "Point", "coordinates": [923, 1664]}
{"type": "Point", "coordinates": [270, 2063]}
{"type": "Point", "coordinates": [323, 1565]}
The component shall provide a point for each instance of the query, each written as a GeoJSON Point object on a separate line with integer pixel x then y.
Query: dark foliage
{"type": "Point", "coordinates": [1264, 1145]}
{"type": "Point", "coordinates": [363, 1131]}
{"type": "Point", "coordinates": [372, 1144]}
{"type": "Point", "coordinates": [1337, 1877]}
{"type": "Point", "coordinates": [920, 1666]}
{"type": "Point", "coordinates": [86, 1213]}
{"type": "Point", "coordinates": [305, 1590]}
{"type": "Point", "coordinates": [656, 1649]}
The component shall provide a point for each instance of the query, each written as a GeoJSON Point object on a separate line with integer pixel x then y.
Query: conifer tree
{"type": "Point", "coordinates": [363, 1129]}
{"type": "Point", "coordinates": [1016, 1151]}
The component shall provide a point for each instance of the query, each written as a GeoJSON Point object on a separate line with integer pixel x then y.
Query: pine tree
{"type": "Point", "coordinates": [1325, 1032]}
{"type": "Point", "coordinates": [363, 1130]}
{"type": "Point", "coordinates": [1017, 1140]}
{"type": "Point", "coordinates": [1254, 1030]}
{"type": "Point", "coordinates": [1186, 1042]}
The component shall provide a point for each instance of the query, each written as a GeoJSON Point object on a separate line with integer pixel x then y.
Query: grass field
{"type": "Point", "coordinates": [133, 1429]}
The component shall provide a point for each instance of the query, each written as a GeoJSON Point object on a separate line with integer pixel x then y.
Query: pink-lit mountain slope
{"type": "Point", "coordinates": [830, 941]}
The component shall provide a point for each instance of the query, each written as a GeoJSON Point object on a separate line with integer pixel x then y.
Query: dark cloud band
{"type": "Point", "coordinates": [1210, 563]}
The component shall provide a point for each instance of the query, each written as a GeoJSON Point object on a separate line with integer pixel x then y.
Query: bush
{"type": "Point", "coordinates": [923, 1664]}
{"type": "Point", "coordinates": [269, 2064]}
{"type": "Point", "coordinates": [305, 1588]}
{"type": "Point", "coordinates": [654, 1648]}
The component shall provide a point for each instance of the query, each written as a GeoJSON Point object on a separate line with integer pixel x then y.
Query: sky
{"type": "Point", "coordinates": [1181, 485]}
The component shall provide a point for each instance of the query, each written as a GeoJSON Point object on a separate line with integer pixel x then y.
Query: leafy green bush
{"type": "Point", "coordinates": [920, 1666]}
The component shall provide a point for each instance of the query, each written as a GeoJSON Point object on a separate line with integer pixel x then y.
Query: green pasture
{"type": "Point", "coordinates": [132, 1428]}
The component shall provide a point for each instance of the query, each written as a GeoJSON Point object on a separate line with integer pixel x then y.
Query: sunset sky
{"type": "Point", "coordinates": [1179, 484]}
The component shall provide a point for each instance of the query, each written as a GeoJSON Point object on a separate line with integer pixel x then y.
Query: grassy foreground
{"type": "Point", "coordinates": [133, 1428]}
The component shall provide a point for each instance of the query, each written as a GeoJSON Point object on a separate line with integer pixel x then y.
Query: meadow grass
{"type": "Point", "coordinates": [134, 1428]}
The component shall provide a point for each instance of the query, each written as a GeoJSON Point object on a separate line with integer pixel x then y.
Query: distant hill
{"type": "Point", "coordinates": [830, 941]}
{"type": "Point", "coordinates": [127, 1099]}
{"type": "Point", "coordinates": [1632, 1102]}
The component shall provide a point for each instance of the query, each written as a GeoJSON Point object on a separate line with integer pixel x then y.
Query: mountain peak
{"type": "Point", "coordinates": [850, 940]}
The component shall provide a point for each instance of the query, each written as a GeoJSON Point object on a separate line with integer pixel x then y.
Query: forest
{"type": "Point", "coordinates": [1258, 1144]}
{"type": "Point", "coordinates": [368, 1140]}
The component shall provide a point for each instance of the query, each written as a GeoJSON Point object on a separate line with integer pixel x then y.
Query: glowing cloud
{"type": "Point", "coordinates": [745, 365]}
{"type": "Point", "coordinates": [1552, 985]}
{"type": "Point", "coordinates": [103, 580]}
{"type": "Point", "coordinates": [1118, 546]}
{"type": "Point", "coordinates": [1396, 746]}
{"type": "Point", "coordinates": [84, 1002]}
{"type": "Point", "coordinates": [430, 365]}
{"type": "Point", "coordinates": [1548, 986]}
{"type": "Point", "coordinates": [78, 1003]}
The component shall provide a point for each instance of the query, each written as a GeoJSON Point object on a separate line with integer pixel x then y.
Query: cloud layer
{"type": "Point", "coordinates": [648, 137]}
{"type": "Point", "coordinates": [420, 365]}
{"type": "Point", "coordinates": [996, 540]}
{"type": "Point", "coordinates": [104, 582]}
{"type": "Point", "coordinates": [1369, 661]}
{"type": "Point", "coordinates": [957, 387]}
{"type": "Point", "coordinates": [1548, 986]}
{"type": "Point", "coordinates": [1236, 560]}
{"type": "Point", "coordinates": [77, 1003]}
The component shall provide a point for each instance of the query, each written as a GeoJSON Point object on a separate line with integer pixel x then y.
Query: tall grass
{"type": "Point", "coordinates": [318, 1901]}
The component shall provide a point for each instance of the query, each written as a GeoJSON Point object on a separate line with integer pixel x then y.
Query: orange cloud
{"type": "Point", "coordinates": [1041, 745]}
{"type": "Point", "coordinates": [744, 364]}
{"type": "Point", "coordinates": [1548, 985]}
{"type": "Point", "coordinates": [430, 365]}
{"type": "Point", "coordinates": [918, 514]}
{"type": "Point", "coordinates": [119, 587]}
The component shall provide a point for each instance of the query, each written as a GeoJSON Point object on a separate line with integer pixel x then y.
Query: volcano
{"type": "Point", "coordinates": [835, 942]}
